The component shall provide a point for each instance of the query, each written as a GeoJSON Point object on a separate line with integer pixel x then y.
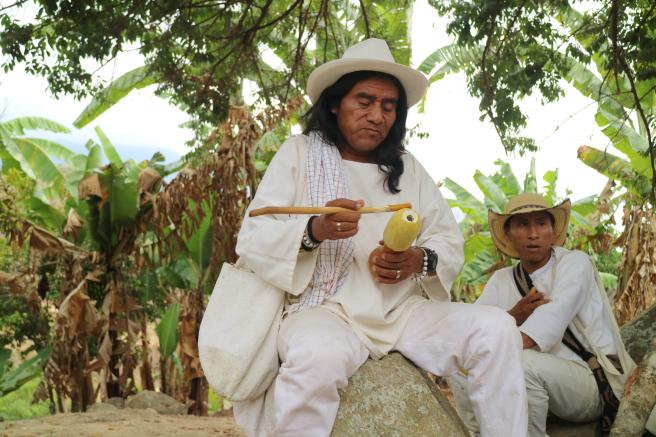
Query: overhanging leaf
{"type": "Point", "coordinates": [115, 91]}
{"type": "Point", "coordinates": [615, 168]}
{"type": "Point", "coordinates": [18, 126]}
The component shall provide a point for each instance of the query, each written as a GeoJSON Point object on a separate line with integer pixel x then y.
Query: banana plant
{"type": "Point", "coordinates": [98, 200]}
{"type": "Point", "coordinates": [38, 159]}
{"type": "Point", "coordinates": [481, 256]}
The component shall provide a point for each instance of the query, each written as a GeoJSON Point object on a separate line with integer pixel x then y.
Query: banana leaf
{"type": "Point", "coordinates": [114, 92]}
{"type": "Point", "coordinates": [466, 201]}
{"type": "Point", "coordinates": [167, 330]}
{"type": "Point", "coordinates": [494, 195]}
{"type": "Point", "coordinates": [108, 148]}
{"type": "Point", "coordinates": [505, 179]}
{"type": "Point", "coordinates": [18, 126]}
{"type": "Point", "coordinates": [530, 180]}
{"type": "Point", "coordinates": [615, 168]}
{"type": "Point", "coordinates": [26, 371]}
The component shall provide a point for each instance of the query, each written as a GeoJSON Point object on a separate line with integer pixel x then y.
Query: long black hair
{"type": "Point", "coordinates": [321, 120]}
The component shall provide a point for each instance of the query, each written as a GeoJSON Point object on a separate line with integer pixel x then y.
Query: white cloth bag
{"type": "Point", "coordinates": [237, 342]}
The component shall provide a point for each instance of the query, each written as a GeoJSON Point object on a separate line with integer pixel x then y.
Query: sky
{"type": "Point", "coordinates": [458, 143]}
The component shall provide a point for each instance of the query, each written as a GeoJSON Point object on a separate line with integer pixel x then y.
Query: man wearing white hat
{"type": "Point", "coordinates": [572, 348]}
{"type": "Point", "coordinates": [348, 298]}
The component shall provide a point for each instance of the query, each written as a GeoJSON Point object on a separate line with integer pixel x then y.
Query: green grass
{"type": "Point", "coordinates": [17, 404]}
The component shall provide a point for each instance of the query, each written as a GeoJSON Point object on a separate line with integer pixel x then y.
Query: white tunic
{"type": "Point", "coordinates": [270, 244]}
{"type": "Point", "coordinates": [573, 291]}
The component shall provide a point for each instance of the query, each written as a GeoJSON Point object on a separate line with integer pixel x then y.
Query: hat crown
{"type": "Point", "coordinates": [371, 48]}
{"type": "Point", "coordinates": [525, 201]}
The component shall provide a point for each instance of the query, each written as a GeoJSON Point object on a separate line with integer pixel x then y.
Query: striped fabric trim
{"type": "Point", "coordinates": [325, 180]}
{"type": "Point", "coordinates": [519, 208]}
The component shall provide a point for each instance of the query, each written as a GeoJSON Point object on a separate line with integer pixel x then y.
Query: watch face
{"type": "Point", "coordinates": [432, 260]}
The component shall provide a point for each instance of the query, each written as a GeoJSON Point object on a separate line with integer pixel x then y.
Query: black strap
{"type": "Point", "coordinates": [609, 401]}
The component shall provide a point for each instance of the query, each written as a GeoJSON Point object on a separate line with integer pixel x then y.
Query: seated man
{"type": "Point", "coordinates": [348, 297]}
{"type": "Point", "coordinates": [558, 302]}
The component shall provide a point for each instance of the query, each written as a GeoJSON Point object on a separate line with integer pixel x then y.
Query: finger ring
{"type": "Point", "coordinates": [398, 274]}
{"type": "Point", "coordinates": [339, 226]}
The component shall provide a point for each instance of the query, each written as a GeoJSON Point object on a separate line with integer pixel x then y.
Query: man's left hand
{"type": "Point", "coordinates": [390, 267]}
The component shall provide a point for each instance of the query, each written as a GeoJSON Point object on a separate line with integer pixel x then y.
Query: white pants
{"type": "Point", "coordinates": [564, 387]}
{"type": "Point", "coordinates": [319, 353]}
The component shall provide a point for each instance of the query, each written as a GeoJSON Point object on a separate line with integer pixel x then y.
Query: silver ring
{"type": "Point", "coordinates": [339, 226]}
{"type": "Point", "coordinates": [398, 274]}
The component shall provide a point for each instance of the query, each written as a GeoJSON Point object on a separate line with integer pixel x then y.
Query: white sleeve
{"type": "Point", "coordinates": [490, 294]}
{"type": "Point", "coordinates": [270, 244]}
{"type": "Point", "coordinates": [569, 291]}
{"type": "Point", "coordinates": [440, 232]}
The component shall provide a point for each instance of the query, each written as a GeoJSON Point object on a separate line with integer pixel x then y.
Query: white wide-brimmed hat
{"type": "Point", "coordinates": [372, 55]}
{"type": "Point", "coordinates": [522, 204]}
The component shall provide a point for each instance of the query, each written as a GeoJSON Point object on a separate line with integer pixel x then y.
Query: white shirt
{"type": "Point", "coordinates": [270, 244]}
{"type": "Point", "coordinates": [568, 279]}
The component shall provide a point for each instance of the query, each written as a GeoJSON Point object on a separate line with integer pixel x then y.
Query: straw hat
{"type": "Point", "coordinates": [522, 204]}
{"type": "Point", "coordinates": [373, 55]}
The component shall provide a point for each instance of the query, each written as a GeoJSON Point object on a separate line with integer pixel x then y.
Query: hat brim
{"type": "Point", "coordinates": [560, 213]}
{"type": "Point", "coordinates": [414, 83]}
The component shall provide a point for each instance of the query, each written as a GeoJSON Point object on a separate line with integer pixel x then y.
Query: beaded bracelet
{"type": "Point", "coordinates": [424, 268]}
{"type": "Point", "coordinates": [308, 243]}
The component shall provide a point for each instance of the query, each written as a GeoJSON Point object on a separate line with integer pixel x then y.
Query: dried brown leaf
{"type": "Point", "coordinates": [78, 312]}
{"type": "Point", "coordinates": [92, 186]}
{"type": "Point", "coordinates": [148, 178]}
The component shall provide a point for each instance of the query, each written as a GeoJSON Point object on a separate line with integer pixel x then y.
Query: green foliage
{"type": "Point", "coordinates": [40, 185]}
{"type": "Point", "coordinates": [167, 330]}
{"type": "Point", "coordinates": [19, 323]}
{"type": "Point", "coordinates": [29, 369]}
{"type": "Point", "coordinates": [512, 49]}
{"type": "Point", "coordinates": [198, 55]}
{"type": "Point", "coordinates": [617, 169]}
{"type": "Point", "coordinates": [17, 405]}
{"type": "Point", "coordinates": [107, 97]}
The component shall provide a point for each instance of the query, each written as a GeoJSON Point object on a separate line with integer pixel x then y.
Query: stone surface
{"type": "Point", "coordinates": [102, 407]}
{"type": "Point", "coordinates": [391, 397]}
{"type": "Point", "coordinates": [639, 332]}
{"type": "Point", "coordinates": [160, 402]}
{"type": "Point", "coordinates": [117, 402]}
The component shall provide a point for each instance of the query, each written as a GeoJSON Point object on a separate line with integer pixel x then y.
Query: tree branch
{"type": "Point", "coordinates": [366, 20]}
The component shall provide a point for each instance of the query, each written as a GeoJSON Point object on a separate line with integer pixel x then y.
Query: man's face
{"type": "Point", "coordinates": [531, 235]}
{"type": "Point", "coordinates": [365, 116]}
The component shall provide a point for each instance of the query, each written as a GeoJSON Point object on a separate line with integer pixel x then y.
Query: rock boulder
{"type": "Point", "coordinates": [391, 397]}
{"type": "Point", "coordinates": [639, 332]}
{"type": "Point", "coordinates": [160, 402]}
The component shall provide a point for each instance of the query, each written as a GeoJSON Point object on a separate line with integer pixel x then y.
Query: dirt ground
{"type": "Point", "coordinates": [121, 423]}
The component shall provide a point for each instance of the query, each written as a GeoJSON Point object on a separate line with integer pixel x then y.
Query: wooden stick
{"type": "Point", "coordinates": [324, 209]}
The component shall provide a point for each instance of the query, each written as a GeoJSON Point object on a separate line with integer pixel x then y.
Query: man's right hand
{"type": "Point", "coordinates": [525, 307]}
{"type": "Point", "coordinates": [339, 225]}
